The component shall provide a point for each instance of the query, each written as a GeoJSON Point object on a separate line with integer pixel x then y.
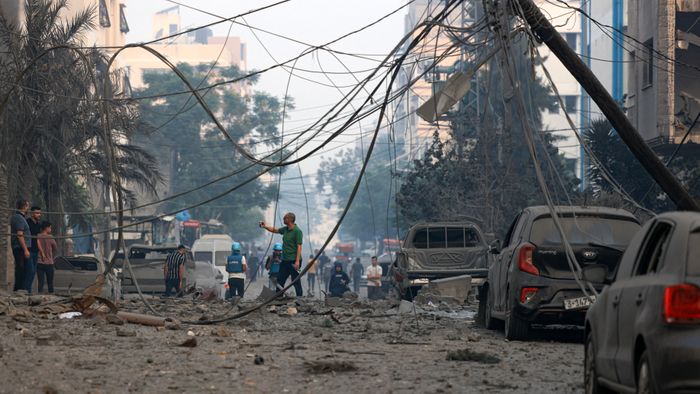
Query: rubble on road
{"type": "Point", "coordinates": [307, 342]}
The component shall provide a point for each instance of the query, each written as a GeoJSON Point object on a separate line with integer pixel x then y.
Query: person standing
{"type": "Point", "coordinates": [292, 238]}
{"type": "Point", "coordinates": [323, 267]}
{"type": "Point", "coordinates": [356, 272]}
{"type": "Point", "coordinates": [236, 266]}
{"type": "Point", "coordinates": [339, 281]}
{"type": "Point", "coordinates": [272, 265]}
{"type": "Point", "coordinates": [20, 242]}
{"type": "Point", "coordinates": [34, 223]}
{"type": "Point", "coordinates": [374, 280]}
{"type": "Point", "coordinates": [311, 275]}
{"type": "Point", "coordinates": [254, 262]}
{"type": "Point", "coordinates": [174, 269]}
{"type": "Point", "coordinates": [47, 249]}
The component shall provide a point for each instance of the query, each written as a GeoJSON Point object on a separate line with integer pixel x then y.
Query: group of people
{"type": "Point", "coordinates": [283, 263]}
{"type": "Point", "coordinates": [339, 280]}
{"type": "Point", "coordinates": [33, 248]}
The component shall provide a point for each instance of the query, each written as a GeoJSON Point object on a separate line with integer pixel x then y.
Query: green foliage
{"type": "Point", "coordinates": [624, 168]}
{"type": "Point", "coordinates": [52, 138]}
{"type": "Point", "coordinates": [193, 151]}
{"type": "Point", "coordinates": [484, 172]}
{"type": "Point", "coordinates": [373, 212]}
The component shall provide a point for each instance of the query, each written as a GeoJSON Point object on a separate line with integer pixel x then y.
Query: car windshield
{"type": "Point", "coordinates": [584, 230]}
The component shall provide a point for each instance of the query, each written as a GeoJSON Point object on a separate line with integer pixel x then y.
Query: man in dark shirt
{"type": "Point", "coordinates": [291, 251]}
{"type": "Point", "coordinates": [173, 270]}
{"type": "Point", "coordinates": [20, 242]}
{"type": "Point", "coordinates": [34, 223]}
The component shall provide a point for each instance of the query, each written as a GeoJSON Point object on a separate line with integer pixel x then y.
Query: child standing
{"type": "Point", "coordinates": [47, 249]}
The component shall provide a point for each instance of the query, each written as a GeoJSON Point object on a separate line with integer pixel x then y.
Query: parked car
{"type": "Point", "coordinates": [643, 332]}
{"type": "Point", "coordinates": [531, 281]}
{"type": "Point", "coordinates": [439, 250]}
{"type": "Point", "coordinates": [147, 263]}
{"type": "Point", "coordinates": [73, 274]}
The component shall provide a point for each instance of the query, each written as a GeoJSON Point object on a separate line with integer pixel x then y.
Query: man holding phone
{"type": "Point", "coordinates": [291, 250]}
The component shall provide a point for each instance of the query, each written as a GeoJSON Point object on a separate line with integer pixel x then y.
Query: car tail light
{"type": "Point", "coordinates": [525, 259]}
{"type": "Point", "coordinates": [527, 294]}
{"type": "Point", "coordinates": [682, 304]}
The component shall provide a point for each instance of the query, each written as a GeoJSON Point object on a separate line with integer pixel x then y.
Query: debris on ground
{"type": "Point", "coordinates": [189, 342]}
{"type": "Point", "coordinates": [469, 355]}
{"type": "Point", "coordinates": [319, 367]}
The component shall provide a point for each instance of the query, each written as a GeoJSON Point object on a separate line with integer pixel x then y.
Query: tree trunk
{"type": "Point", "coordinates": [4, 230]}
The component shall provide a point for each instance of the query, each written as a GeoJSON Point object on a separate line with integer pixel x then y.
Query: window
{"type": "Point", "coordinates": [571, 39]}
{"type": "Point", "coordinates": [172, 29]}
{"type": "Point", "coordinates": [123, 24]}
{"type": "Point", "coordinates": [436, 238]}
{"type": "Point", "coordinates": [420, 240]}
{"type": "Point", "coordinates": [104, 14]}
{"type": "Point", "coordinates": [455, 237]}
{"type": "Point", "coordinates": [651, 257]}
{"type": "Point", "coordinates": [554, 109]}
{"type": "Point", "coordinates": [471, 237]}
{"type": "Point", "coordinates": [694, 254]}
{"type": "Point", "coordinates": [583, 230]}
{"type": "Point", "coordinates": [509, 235]}
{"type": "Point", "coordinates": [244, 50]}
{"type": "Point", "coordinates": [202, 256]}
{"type": "Point", "coordinates": [221, 258]}
{"type": "Point", "coordinates": [648, 64]}
{"type": "Point", "coordinates": [570, 103]}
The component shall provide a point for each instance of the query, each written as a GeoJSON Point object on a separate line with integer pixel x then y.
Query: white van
{"type": "Point", "coordinates": [214, 249]}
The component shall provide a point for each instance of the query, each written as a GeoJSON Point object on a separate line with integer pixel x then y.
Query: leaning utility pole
{"type": "Point", "coordinates": [544, 30]}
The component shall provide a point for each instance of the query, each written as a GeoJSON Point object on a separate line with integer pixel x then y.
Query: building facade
{"type": "Point", "coordinates": [664, 76]}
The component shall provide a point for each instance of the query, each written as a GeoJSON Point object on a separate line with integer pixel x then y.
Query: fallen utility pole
{"type": "Point", "coordinates": [544, 30]}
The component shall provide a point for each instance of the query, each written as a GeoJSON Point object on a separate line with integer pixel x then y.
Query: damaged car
{"type": "Point", "coordinates": [147, 265]}
{"type": "Point", "coordinates": [531, 279]}
{"type": "Point", "coordinates": [439, 250]}
{"type": "Point", "coordinates": [643, 332]}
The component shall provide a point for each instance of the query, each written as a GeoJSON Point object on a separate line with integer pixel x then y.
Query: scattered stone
{"type": "Point", "coordinates": [114, 319]}
{"type": "Point", "coordinates": [469, 355]}
{"type": "Point", "coordinates": [189, 342]}
{"type": "Point", "coordinates": [121, 332]}
{"type": "Point", "coordinates": [191, 333]}
{"type": "Point", "coordinates": [259, 360]}
{"type": "Point", "coordinates": [333, 301]}
{"type": "Point", "coordinates": [319, 367]}
{"type": "Point", "coordinates": [172, 324]}
{"type": "Point", "coordinates": [35, 300]}
{"type": "Point", "coordinates": [405, 307]}
{"type": "Point", "coordinates": [291, 311]}
{"type": "Point", "coordinates": [349, 295]}
{"type": "Point", "coordinates": [220, 332]}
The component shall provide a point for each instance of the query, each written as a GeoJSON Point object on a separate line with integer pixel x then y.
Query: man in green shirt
{"type": "Point", "coordinates": [291, 251]}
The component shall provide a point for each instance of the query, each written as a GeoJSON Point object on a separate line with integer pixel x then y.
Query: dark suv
{"type": "Point", "coordinates": [530, 280]}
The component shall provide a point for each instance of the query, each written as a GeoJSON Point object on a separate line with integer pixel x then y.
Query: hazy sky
{"type": "Point", "coordinates": [311, 21]}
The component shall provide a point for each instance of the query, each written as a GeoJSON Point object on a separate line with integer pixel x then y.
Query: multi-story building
{"type": "Point", "coordinates": [111, 21]}
{"type": "Point", "coordinates": [664, 76]}
{"type": "Point", "coordinates": [197, 47]}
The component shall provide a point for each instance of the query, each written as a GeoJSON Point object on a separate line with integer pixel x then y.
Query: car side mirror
{"type": "Point", "coordinates": [595, 273]}
{"type": "Point", "coordinates": [495, 247]}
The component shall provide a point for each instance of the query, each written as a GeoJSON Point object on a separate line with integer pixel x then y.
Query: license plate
{"type": "Point", "coordinates": [578, 303]}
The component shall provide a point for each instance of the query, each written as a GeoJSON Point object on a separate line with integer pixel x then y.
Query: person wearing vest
{"type": "Point", "coordinates": [272, 265]}
{"type": "Point", "coordinates": [236, 266]}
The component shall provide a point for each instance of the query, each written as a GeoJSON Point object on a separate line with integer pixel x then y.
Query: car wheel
{"type": "Point", "coordinates": [645, 380]}
{"type": "Point", "coordinates": [590, 374]}
{"type": "Point", "coordinates": [485, 317]}
{"type": "Point", "coordinates": [516, 328]}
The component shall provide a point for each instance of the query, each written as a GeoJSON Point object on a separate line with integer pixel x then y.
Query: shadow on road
{"type": "Point", "coordinates": [565, 334]}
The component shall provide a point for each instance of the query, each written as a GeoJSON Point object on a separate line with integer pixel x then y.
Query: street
{"type": "Point", "coordinates": [362, 347]}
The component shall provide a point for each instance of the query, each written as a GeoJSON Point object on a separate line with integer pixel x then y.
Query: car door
{"type": "Point", "coordinates": [503, 262]}
{"type": "Point", "coordinates": [633, 293]}
{"type": "Point", "coordinates": [606, 321]}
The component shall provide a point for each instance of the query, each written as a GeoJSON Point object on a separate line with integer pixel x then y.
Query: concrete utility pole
{"type": "Point", "coordinates": [541, 26]}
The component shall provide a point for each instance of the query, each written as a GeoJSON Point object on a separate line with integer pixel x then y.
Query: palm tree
{"type": "Point", "coordinates": [52, 140]}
